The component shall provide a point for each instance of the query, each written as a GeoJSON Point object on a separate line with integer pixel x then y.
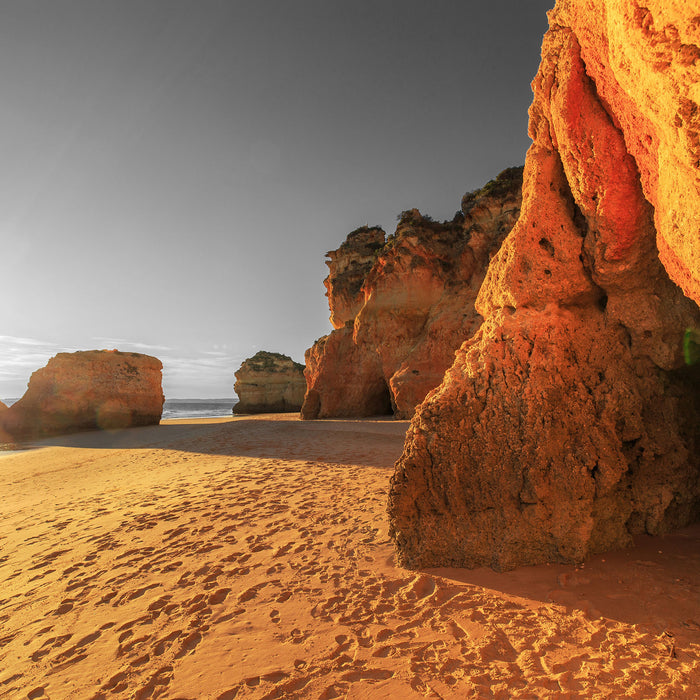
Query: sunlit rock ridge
{"type": "Point", "coordinates": [87, 390]}
{"type": "Point", "coordinates": [402, 307]}
{"type": "Point", "coordinates": [570, 422]}
{"type": "Point", "coordinates": [269, 382]}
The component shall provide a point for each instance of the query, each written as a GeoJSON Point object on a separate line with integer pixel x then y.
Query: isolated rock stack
{"type": "Point", "coordinates": [269, 382]}
{"type": "Point", "coordinates": [570, 422]}
{"type": "Point", "coordinates": [402, 307]}
{"type": "Point", "coordinates": [88, 390]}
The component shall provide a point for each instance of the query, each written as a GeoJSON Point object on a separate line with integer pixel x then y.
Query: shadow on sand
{"type": "Point", "coordinates": [368, 442]}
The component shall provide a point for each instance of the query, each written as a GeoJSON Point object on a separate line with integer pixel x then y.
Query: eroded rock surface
{"type": "Point", "coordinates": [269, 382]}
{"type": "Point", "coordinates": [644, 59]}
{"type": "Point", "coordinates": [416, 306]}
{"type": "Point", "coordinates": [570, 421]}
{"type": "Point", "coordinates": [347, 268]}
{"type": "Point", "coordinates": [88, 390]}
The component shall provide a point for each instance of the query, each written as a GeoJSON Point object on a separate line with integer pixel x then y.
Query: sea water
{"type": "Point", "coordinates": [198, 408]}
{"type": "Point", "coordinates": [187, 408]}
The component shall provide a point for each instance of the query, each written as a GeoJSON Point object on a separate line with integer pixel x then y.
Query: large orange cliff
{"type": "Point", "coordinates": [570, 422]}
{"type": "Point", "coordinates": [402, 307]}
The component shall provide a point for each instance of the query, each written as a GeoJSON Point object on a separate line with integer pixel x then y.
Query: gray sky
{"type": "Point", "coordinates": [172, 173]}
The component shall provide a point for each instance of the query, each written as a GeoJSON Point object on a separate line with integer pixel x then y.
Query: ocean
{"type": "Point", "coordinates": [198, 408]}
{"type": "Point", "coordinates": [188, 408]}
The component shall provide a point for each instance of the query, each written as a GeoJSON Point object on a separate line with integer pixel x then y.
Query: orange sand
{"type": "Point", "coordinates": [249, 558]}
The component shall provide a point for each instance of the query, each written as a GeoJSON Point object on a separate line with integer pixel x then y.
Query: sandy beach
{"type": "Point", "coordinates": [249, 558]}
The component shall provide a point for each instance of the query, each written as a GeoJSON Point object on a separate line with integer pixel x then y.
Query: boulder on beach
{"type": "Point", "coordinates": [87, 390]}
{"type": "Point", "coordinates": [269, 382]}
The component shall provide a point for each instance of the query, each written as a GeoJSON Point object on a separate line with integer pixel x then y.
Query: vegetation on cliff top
{"type": "Point", "coordinates": [508, 180]}
{"type": "Point", "coordinates": [264, 361]}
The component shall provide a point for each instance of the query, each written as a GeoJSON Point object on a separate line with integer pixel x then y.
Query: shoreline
{"type": "Point", "coordinates": [249, 557]}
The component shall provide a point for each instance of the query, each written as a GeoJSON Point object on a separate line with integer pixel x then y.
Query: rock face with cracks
{"type": "Point", "coordinates": [89, 390]}
{"type": "Point", "coordinates": [570, 421]}
{"type": "Point", "coordinates": [269, 382]}
{"type": "Point", "coordinates": [415, 306]}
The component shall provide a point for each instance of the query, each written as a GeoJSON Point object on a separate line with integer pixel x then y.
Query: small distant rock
{"type": "Point", "coordinates": [87, 390]}
{"type": "Point", "coordinates": [269, 382]}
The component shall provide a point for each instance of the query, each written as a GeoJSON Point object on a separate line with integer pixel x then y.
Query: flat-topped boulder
{"type": "Point", "coordinates": [269, 382]}
{"type": "Point", "coordinates": [88, 390]}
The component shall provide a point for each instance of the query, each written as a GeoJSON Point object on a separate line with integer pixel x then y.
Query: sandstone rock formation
{"type": "Point", "coordinates": [96, 389]}
{"type": "Point", "coordinates": [412, 302]}
{"type": "Point", "coordinates": [348, 266]}
{"type": "Point", "coordinates": [269, 382]}
{"type": "Point", "coordinates": [644, 60]}
{"type": "Point", "coordinates": [5, 438]}
{"type": "Point", "coordinates": [570, 421]}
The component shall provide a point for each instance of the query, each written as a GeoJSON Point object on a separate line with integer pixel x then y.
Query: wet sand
{"type": "Point", "coordinates": [249, 558]}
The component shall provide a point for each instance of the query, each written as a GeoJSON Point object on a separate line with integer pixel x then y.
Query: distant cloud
{"type": "Point", "coordinates": [199, 374]}
{"type": "Point", "coordinates": [129, 345]}
{"type": "Point", "coordinates": [14, 340]}
{"type": "Point", "coordinates": [19, 357]}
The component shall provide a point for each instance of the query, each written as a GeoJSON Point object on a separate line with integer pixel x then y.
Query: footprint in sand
{"type": "Point", "coordinates": [219, 597]}
{"type": "Point", "coordinates": [189, 644]}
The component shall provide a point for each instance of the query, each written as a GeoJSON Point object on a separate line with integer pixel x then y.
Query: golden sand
{"type": "Point", "coordinates": [249, 558]}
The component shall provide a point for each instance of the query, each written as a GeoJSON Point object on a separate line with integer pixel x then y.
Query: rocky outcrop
{"type": "Point", "coordinates": [344, 379]}
{"type": "Point", "coordinates": [5, 438]}
{"type": "Point", "coordinates": [347, 268]}
{"type": "Point", "coordinates": [417, 306]}
{"type": "Point", "coordinates": [570, 421]}
{"type": "Point", "coordinates": [89, 390]}
{"type": "Point", "coordinates": [269, 382]}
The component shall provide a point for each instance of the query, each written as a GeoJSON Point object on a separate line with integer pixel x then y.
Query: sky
{"type": "Point", "coordinates": [173, 172]}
